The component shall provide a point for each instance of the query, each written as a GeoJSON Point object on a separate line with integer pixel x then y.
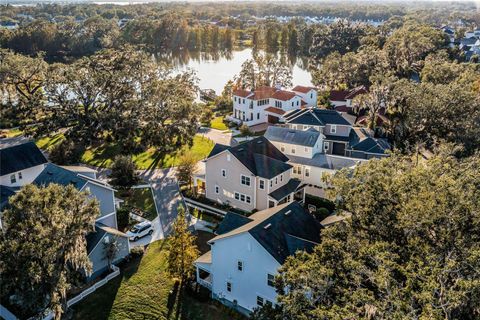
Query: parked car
{"type": "Point", "coordinates": [140, 230]}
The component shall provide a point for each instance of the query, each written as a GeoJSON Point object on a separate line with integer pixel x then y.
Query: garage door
{"type": "Point", "coordinates": [272, 119]}
{"type": "Point", "coordinates": [338, 149]}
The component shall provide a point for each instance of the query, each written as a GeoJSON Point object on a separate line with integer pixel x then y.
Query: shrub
{"type": "Point", "coordinates": [321, 213]}
{"type": "Point", "coordinates": [123, 218]}
{"type": "Point", "coordinates": [137, 252]}
{"type": "Point", "coordinates": [245, 130]}
{"type": "Point", "coordinates": [123, 173]}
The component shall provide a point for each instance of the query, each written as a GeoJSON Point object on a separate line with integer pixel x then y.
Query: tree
{"type": "Point", "coordinates": [264, 70]}
{"type": "Point", "coordinates": [182, 250]}
{"type": "Point", "coordinates": [373, 102]}
{"type": "Point", "coordinates": [43, 246]}
{"type": "Point", "coordinates": [410, 250]}
{"type": "Point", "coordinates": [110, 249]}
{"type": "Point", "coordinates": [123, 174]}
{"type": "Point", "coordinates": [66, 152]}
{"type": "Point", "coordinates": [186, 169]}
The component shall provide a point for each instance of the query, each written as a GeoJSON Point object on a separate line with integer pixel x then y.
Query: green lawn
{"type": "Point", "coordinates": [145, 290]}
{"type": "Point", "coordinates": [102, 156]}
{"type": "Point", "coordinates": [142, 199]}
{"type": "Point", "coordinates": [217, 123]}
{"type": "Point", "coordinates": [10, 133]}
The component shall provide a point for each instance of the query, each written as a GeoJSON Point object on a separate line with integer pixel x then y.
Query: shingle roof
{"type": "Point", "coordinates": [298, 137]}
{"type": "Point", "coordinates": [232, 221]}
{"type": "Point", "coordinates": [372, 145]}
{"type": "Point", "coordinates": [281, 230]}
{"type": "Point", "coordinates": [263, 93]}
{"type": "Point", "coordinates": [5, 193]}
{"type": "Point", "coordinates": [275, 110]}
{"type": "Point", "coordinates": [217, 148]}
{"type": "Point", "coordinates": [19, 157]}
{"type": "Point", "coordinates": [285, 190]}
{"type": "Point", "coordinates": [343, 95]}
{"type": "Point", "coordinates": [93, 238]}
{"type": "Point", "coordinates": [303, 89]}
{"type": "Point", "coordinates": [315, 117]}
{"type": "Point", "coordinates": [56, 174]}
{"type": "Point", "coordinates": [261, 157]}
{"type": "Point", "coordinates": [241, 93]}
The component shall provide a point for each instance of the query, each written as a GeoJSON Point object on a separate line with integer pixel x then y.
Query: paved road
{"type": "Point", "coordinates": [217, 136]}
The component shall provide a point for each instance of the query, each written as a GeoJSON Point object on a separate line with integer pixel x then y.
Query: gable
{"type": "Point", "coordinates": [20, 157]}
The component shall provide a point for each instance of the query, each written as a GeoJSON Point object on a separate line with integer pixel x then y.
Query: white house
{"type": "Point", "coordinates": [268, 105]}
{"type": "Point", "coordinates": [245, 255]}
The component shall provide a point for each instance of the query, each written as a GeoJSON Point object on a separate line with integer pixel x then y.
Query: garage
{"type": "Point", "coordinates": [338, 149]}
{"type": "Point", "coordinates": [272, 119]}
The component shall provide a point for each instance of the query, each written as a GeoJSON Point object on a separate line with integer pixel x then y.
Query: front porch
{"type": "Point", "coordinates": [291, 191]}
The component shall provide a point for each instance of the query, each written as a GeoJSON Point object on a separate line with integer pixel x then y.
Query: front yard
{"type": "Point", "coordinates": [217, 123]}
{"type": "Point", "coordinates": [140, 198]}
{"type": "Point", "coordinates": [145, 290]}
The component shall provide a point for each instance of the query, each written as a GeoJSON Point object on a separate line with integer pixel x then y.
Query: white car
{"type": "Point", "coordinates": [140, 230]}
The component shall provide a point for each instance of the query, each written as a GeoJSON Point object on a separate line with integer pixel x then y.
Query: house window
{"type": "Point", "coordinates": [229, 286]}
{"type": "Point", "coordinates": [245, 180]}
{"type": "Point", "coordinates": [311, 95]}
{"type": "Point", "coordinates": [282, 148]}
{"type": "Point", "coordinates": [294, 126]}
{"type": "Point", "coordinates": [239, 265]}
{"type": "Point", "coordinates": [325, 146]}
{"type": "Point", "coordinates": [243, 100]}
{"type": "Point", "coordinates": [271, 183]}
{"type": "Point", "coordinates": [217, 189]}
{"type": "Point", "coordinates": [242, 197]}
{"type": "Point", "coordinates": [259, 301]}
{"type": "Point", "coordinates": [261, 184]}
{"type": "Point", "coordinates": [281, 177]}
{"type": "Point", "coordinates": [20, 177]}
{"type": "Point", "coordinates": [293, 150]}
{"type": "Point", "coordinates": [333, 128]}
{"type": "Point", "coordinates": [13, 179]}
{"type": "Point", "coordinates": [306, 149]}
{"type": "Point", "coordinates": [228, 157]}
{"type": "Point", "coordinates": [248, 199]}
{"type": "Point", "coordinates": [270, 280]}
{"type": "Point", "coordinates": [235, 99]}
{"type": "Point", "coordinates": [307, 172]}
{"type": "Point", "coordinates": [258, 115]}
{"type": "Point", "coordinates": [224, 173]}
{"type": "Point", "coordinates": [237, 196]}
{"type": "Point", "coordinates": [298, 102]}
{"type": "Point", "coordinates": [293, 103]}
{"type": "Point", "coordinates": [276, 180]}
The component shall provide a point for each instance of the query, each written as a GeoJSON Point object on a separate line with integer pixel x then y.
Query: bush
{"type": "Point", "coordinates": [123, 218]}
{"type": "Point", "coordinates": [245, 130]}
{"type": "Point", "coordinates": [137, 252]}
{"type": "Point", "coordinates": [66, 152]}
{"type": "Point", "coordinates": [321, 213]}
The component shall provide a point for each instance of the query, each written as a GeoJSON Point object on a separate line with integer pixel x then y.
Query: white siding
{"type": "Point", "coordinates": [28, 175]}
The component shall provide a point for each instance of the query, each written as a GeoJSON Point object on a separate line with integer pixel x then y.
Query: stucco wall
{"type": "Point", "coordinates": [246, 284]}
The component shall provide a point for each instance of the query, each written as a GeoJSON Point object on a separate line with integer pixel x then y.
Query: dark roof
{"type": "Point", "coordinates": [20, 157]}
{"type": "Point", "coordinates": [55, 174]}
{"type": "Point", "coordinates": [285, 190]}
{"type": "Point", "coordinates": [93, 238]}
{"type": "Point", "coordinates": [315, 117]}
{"type": "Point", "coordinates": [5, 193]}
{"type": "Point", "coordinates": [278, 239]}
{"type": "Point", "coordinates": [298, 137]}
{"type": "Point", "coordinates": [232, 221]}
{"type": "Point", "coordinates": [261, 158]}
{"type": "Point", "coordinates": [372, 145]}
{"type": "Point", "coordinates": [468, 41]}
{"type": "Point", "coordinates": [343, 95]}
{"type": "Point", "coordinates": [336, 138]}
{"type": "Point", "coordinates": [217, 148]}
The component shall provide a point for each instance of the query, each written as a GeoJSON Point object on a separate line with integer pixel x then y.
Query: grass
{"type": "Point", "coordinates": [103, 155]}
{"type": "Point", "coordinates": [145, 290]}
{"type": "Point", "coordinates": [10, 133]}
{"type": "Point", "coordinates": [142, 199]}
{"type": "Point", "coordinates": [217, 123]}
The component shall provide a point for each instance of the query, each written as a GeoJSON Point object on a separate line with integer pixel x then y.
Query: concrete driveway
{"type": "Point", "coordinates": [167, 199]}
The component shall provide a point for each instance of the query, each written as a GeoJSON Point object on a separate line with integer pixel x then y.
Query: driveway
{"type": "Point", "coordinates": [217, 136]}
{"type": "Point", "coordinates": [167, 199]}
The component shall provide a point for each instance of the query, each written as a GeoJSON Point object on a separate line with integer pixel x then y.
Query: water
{"type": "Point", "coordinates": [214, 71]}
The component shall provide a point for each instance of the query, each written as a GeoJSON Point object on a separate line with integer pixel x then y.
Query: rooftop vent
{"type": "Point", "coordinates": [288, 212]}
{"type": "Point", "coordinates": [267, 226]}
{"type": "Point", "coordinates": [259, 141]}
{"type": "Point", "coordinates": [240, 149]}
{"type": "Point", "coordinates": [50, 173]}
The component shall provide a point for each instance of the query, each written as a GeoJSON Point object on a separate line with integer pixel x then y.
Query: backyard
{"type": "Point", "coordinates": [145, 290]}
{"type": "Point", "coordinates": [140, 198]}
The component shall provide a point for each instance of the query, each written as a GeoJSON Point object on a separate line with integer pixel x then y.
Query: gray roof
{"type": "Point", "coordinates": [93, 238]}
{"type": "Point", "coordinates": [306, 138]}
{"type": "Point", "coordinates": [231, 221]}
{"type": "Point", "coordinates": [326, 161]}
{"type": "Point", "coordinates": [290, 187]}
{"type": "Point", "coordinates": [281, 230]}
{"type": "Point", "coordinates": [261, 157]}
{"type": "Point", "coordinates": [217, 148]}
{"type": "Point", "coordinates": [371, 145]}
{"type": "Point", "coordinates": [315, 117]}
{"type": "Point", "coordinates": [19, 157]}
{"type": "Point", "coordinates": [56, 174]}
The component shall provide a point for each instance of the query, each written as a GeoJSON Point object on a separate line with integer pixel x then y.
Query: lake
{"type": "Point", "coordinates": [215, 70]}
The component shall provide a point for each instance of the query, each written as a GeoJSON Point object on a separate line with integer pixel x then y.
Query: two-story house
{"type": "Point", "coordinates": [254, 175]}
{"type": "Point", "coordinates": [29, 159]}
{"type": "Point", "coordinates": [247, 252]}
{"type": "Point", "coordinates": [268, 104]}
{"type": "Point", "coordinates": [342, 99]}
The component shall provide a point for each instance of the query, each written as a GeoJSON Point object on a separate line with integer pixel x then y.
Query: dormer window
{"type": "Point", "coordinates": [333, 128]}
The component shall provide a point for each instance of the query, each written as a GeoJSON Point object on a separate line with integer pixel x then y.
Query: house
{"type": "Point", "coordinates": [268, 104]}
{"type": "Point", "coordinates": [247, 252]}
{"type": "Point", "coordinates": [254, 175]}
{"type": "Point", "coordinates": [342, 99]}
{"type": "Point", "coordinates": [335, 128]}
{"type": "Point", "coordinates": [26, 163]}
{"type": "Point", "coordinates": [20, 163]}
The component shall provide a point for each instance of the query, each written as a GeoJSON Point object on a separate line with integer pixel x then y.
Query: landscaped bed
{"type": "Point", "coordinates": [140, 201]}
{"type": "Point", "coordinates": [145, 290]}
